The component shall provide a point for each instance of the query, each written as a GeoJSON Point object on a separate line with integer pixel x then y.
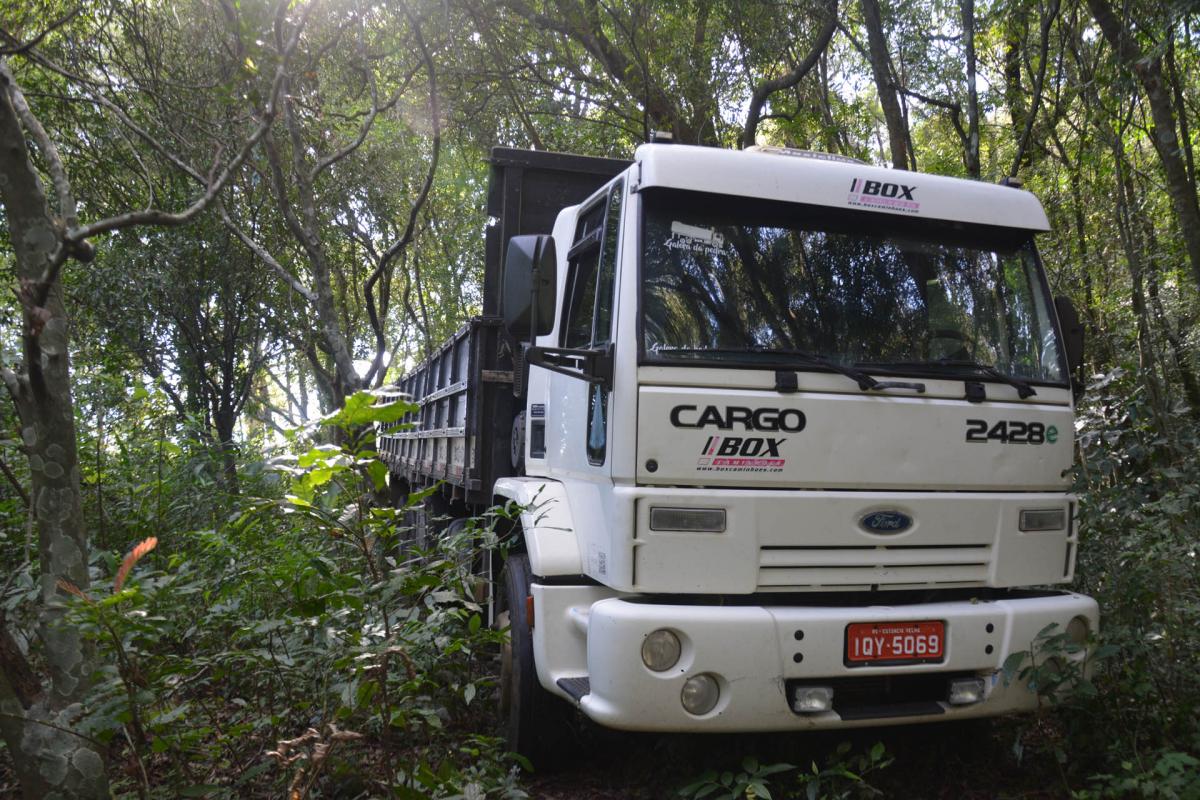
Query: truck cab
{"type": "Point", "coordinates": [792, 440]}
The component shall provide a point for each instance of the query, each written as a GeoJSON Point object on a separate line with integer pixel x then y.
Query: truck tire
{"type": "Point", "coordinates": [537, 723]}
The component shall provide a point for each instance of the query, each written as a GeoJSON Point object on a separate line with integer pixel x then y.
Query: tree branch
{"type": "Point", "coordinates": [58, 174]}
{"type": "Point", "coordinates": [16, 386]}
{"type": "Point", "coordinates": [264, 256]}
{"type": "Point", "coordinates": [25, 47]}
{"type": "Point", "coordinates": [1039, 84]}
{"type": "Point", "coordinates": [16, 484]}
{"type": "Point", "coordinates": [363, 131]}
{"type": "Point", "coordinates": [435, 113]}
{"type": "Point", "coordinates": [954, 108]}
{"type": "Point", "coordinates": [769, 87]}
{"type": "Point", "coordinates": [74, 241]}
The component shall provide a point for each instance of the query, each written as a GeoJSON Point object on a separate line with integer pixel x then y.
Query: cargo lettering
{"type": "Point", "coordinates": [791, 420]}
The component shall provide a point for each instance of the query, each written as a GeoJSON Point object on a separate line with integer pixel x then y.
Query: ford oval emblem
{"type": "Point", "coordinates": [886, 522]}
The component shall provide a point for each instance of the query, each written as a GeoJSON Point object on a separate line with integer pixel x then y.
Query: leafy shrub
{"type": "Point", "coordinates": [1170, 775]}
{"type": "Point", "coordinates": [1139, 502]}
{"type": "Point", "coordinates": [303, 644]}
{"type": "Point", "coordinates": [842, 778]}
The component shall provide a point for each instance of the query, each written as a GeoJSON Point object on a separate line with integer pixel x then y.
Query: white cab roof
{"type": "Point", "coordinates": [819, 179]}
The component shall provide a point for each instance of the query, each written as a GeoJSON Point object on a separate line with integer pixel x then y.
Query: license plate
{"type": "Point", "coordinates": [920, 642]}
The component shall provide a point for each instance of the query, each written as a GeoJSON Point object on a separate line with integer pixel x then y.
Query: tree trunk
{"type": "Point", "coordinates": [971, 158]}
{"type": "Point", "coordinates": [49, 759]}
{"type": "Point", "coordinates": [1103, 354]}
{"type": "Point", "coordinates": [1148, 361]}
{"type": "Point", "coordinates": [1179, 354]}
{"type": "Point", "coordinates": [882, 70]}
{"type": "Point", "coordinates": [224, 421]}
{"type": "Point", "coordinates": [1166, 143]}
{"type": "Point", "coordinates": [1014, 89]}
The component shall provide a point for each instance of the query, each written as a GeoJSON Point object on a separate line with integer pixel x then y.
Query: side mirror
{"type": "Point", "coordinates": [1072, 331]}
{"type": "Point", "coordinates": [530, 282]}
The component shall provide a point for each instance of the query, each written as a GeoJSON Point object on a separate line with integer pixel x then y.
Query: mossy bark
{"type": "Point", "coordinates": [50, 760]}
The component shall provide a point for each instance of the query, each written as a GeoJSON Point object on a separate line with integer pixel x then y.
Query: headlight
{"type": "Point", "coordinates": [700, 694]}
{"type": "Point", "coordinates": [660, 650]}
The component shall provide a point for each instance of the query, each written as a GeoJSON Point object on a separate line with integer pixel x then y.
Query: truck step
{"type": "Point", "coordinates": [578, 688]}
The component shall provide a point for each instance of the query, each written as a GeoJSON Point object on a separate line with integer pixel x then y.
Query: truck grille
{"type": "Point", "coordinates": [864, 566]}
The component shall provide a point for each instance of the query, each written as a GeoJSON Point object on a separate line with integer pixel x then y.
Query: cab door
{"type": "Point", "coordinates": [577, 413]}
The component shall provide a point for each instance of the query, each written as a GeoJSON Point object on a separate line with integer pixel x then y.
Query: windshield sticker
{"type": "Point", "coordinates": [695, 239]}
{"type": "Point", "coordinates": [741, 454]}
{"type": "Point", "coordinates": [878, 194]}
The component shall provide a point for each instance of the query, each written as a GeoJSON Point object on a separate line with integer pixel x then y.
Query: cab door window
{"type": "Point", "coordinates": [588, 310]}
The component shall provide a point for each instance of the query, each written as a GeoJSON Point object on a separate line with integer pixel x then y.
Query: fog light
{"type": "Point", "coordinates": [700, 694]}
{"type": "Point", "coordinates": [660, 650]}
{"type": "Point", "coordinates": [812, 699]}
{"type": "Point", "coordinates": [1077, 630]}
{"type": "Point", "coordinates": [688, 520]}
{"type": "Point", "coordinates": [965, 691]}
{"type": "Point", "coordinates": [1043, 519]}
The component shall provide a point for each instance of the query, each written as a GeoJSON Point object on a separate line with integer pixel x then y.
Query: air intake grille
{"type": "Point", "coordinates": [856, 566]}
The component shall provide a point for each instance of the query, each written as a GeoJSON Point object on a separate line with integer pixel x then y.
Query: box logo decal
{"type": "Point", "coordinates": [741, 454]}
{"type": "Point", "coordinates": [881, 194]}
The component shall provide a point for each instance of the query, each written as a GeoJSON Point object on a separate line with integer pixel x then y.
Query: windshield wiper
{"type": "Point", "coordinates": [865, 382]}
{"type": "Point", "coordinates": [1024, 390]}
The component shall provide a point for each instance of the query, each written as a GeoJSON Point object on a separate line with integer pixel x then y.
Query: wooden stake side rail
{"type": "Point", "coordinates": [464, 415]}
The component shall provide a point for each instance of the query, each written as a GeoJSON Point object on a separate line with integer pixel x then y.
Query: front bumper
{"type": "Point", "coordinates": [588, 649]}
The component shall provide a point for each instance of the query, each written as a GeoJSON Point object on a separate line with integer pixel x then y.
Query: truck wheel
{"type": "Point", "coordinates": [538, 724]}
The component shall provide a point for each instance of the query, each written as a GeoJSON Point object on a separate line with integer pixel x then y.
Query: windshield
{"type": "Point", "coordinates": [753, 281]}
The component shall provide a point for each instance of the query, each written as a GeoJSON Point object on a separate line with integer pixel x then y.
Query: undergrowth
{"type": "Point", "coordinates": [303, 645]}
{"type": "Point", "coordinates": [293, 640]}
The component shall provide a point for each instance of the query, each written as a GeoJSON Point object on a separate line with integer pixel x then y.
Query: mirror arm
{"type": "Point", "coordinates": [596, 367]}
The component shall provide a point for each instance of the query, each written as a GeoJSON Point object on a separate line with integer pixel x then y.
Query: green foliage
{"type": "Point", "coordinates": [842, 777]}
{"type": "Point", "coordinates": [750, 783]}
{"type": "Point", "coordinates": [362, 409]}
{"type": "Point", "coordinates": [304, 611]}
{"type": "Point", "coordinates": [1170, 775]}
{"type": "Point", "coordinates": [1130, 722]}
{"type": "Point", "coordinates": [1056, 668]}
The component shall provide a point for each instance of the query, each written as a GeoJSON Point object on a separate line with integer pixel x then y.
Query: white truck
{"type": "Point", "coordinates": [792, 436]}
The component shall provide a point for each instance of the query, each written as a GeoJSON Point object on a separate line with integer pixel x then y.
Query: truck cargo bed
{"type": "Point", "coordinates": [461, 431]}
{"type": "Point", "coordinates": [466, 389]}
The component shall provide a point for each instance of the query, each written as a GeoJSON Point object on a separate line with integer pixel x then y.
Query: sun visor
{"type": "Point", "coordinates": [799, 177]}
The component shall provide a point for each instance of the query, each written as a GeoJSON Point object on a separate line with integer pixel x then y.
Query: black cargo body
{"type": "Point", "coordinates": [471, 387]}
